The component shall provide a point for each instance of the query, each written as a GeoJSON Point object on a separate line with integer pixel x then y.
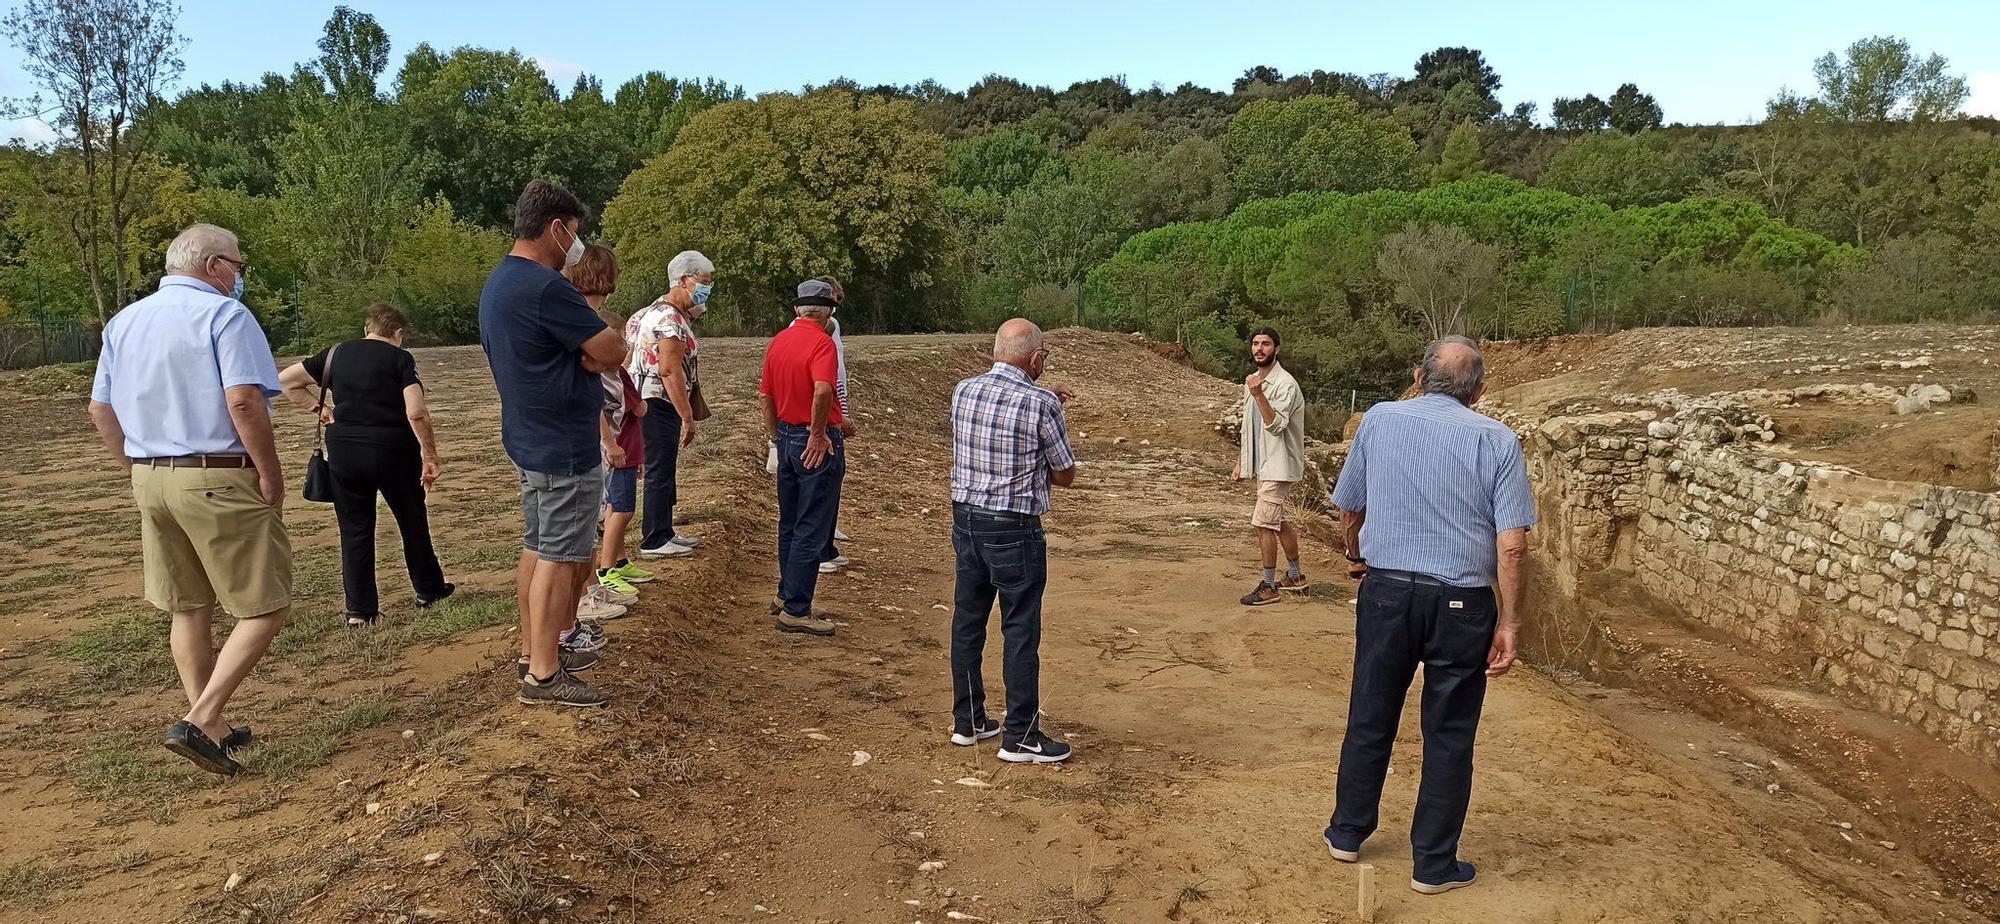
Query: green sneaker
{"type": "Point", "coordinates": [610, 580]}
{"type": "Point", "coordinates": [631, 573]}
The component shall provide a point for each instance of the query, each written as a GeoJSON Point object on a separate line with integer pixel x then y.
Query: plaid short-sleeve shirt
{"type": "Point", "coordinates": [1007, 435]}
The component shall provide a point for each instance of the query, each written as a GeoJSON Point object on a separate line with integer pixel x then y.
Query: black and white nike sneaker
{"type": "Point", "coordinates": [1036, 748]}
{"type": "Point", "coordinates": [973, 734]}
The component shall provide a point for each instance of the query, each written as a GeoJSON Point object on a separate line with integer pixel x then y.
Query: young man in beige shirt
{"type": "Point", "coordinates": [1273, 452]}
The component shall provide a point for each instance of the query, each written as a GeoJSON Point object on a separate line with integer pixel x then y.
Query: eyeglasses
{"type": "Point", "coordinates": [242, 266]}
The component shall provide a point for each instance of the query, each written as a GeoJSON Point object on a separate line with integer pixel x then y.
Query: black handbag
{"type": "Point", "coordinates": [319, 476]}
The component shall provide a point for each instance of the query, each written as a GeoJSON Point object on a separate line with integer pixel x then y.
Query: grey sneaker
{"type": "Point", "coordinates": [813, 624]}
{"type": "Point", "coordinates": [572, 660]}
{"type": "Point", "coordinates": [561, 690]}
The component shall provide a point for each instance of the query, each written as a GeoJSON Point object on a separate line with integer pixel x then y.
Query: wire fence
{"type": "Point", "coordinates": [40, 342]}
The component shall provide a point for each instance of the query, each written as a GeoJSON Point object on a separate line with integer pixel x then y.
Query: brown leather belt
{"type": "Point", "coordinates": [197, 461]}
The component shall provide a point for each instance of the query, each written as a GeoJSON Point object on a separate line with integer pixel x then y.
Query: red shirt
{"type": "Point", "coordinates": [631, 436]}
{"type": "Point", "coordinates": [798, 357]}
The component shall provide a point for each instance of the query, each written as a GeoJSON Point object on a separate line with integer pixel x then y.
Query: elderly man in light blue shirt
{"type": "Point", "coordinates": [1435, 501]}
{"type": "Point", "coordinates": [182, 401]}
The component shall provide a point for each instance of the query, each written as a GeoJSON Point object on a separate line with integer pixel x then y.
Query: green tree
{"type": "Point", "coordinates": [100, 61]}
{"type": "Point", "coordinates": [491, 121]}
{"type": "Point", "coordinates": [353, 52]}
{"type": "Point", "coordinates": [999, 161]}
{"type": "Point", "coordinates": [1920, 277]}
{"type": "Point", "coordinates": [1451, 85]}
{"type": "Point", "coordinates": [1585, 114]}
{"type": "Point", "coordinates": [1316, 144]}
{"type": "Point", "coordinates": [1439, 273]}
{"type": "Point", "coordinates": [226, 135]}
{"type": "Point", "coordinates": [781, 188]}
{"type": "Point", "coordinates": [1461, 157]}
{"type": "Point", "coordinates": [1623, 170]}
{"type": "Point", "coordinates": [1878, 79]}
{"type": "Point", "coordinates": [1631, 111]}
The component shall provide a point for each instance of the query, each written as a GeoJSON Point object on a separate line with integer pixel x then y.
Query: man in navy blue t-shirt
{"type": "Point", "coordinates": [546, 348]}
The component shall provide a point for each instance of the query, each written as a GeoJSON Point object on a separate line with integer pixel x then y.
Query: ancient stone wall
{"type": "Point", "coordinates": [1887, 590]}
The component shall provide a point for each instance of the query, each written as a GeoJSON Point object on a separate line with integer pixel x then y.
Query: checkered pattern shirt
{"type": "Point", "coordinates": [1007, 435]}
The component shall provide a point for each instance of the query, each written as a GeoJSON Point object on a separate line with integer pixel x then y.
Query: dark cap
{"type": "Point", "coordinates": [815, 294]}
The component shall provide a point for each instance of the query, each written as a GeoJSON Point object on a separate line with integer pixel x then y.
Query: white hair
{"type": "Point", "coordinates": [688, 263]}
{"type": "Point", "coordinates": [1017, 339]}
{"type": "Point", "coordinates": [192, 247]}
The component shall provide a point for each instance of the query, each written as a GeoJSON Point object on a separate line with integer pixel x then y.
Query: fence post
{"type": "Point", "coordinates": [1350, 401]}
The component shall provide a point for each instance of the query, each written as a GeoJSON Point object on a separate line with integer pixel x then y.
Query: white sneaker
{"type": "Point", "coordinates": [672, 549]}
{"type": "Point", "coordinates": [597, 610]}
{"type": "Point", "coordinates": [838, 562]}
{"type": "Point", "coordinates": [612, 596]}
{"type": "Point", "coordinates": [839, 536]}
{"type": "Point", "coordinates": [688, 541]}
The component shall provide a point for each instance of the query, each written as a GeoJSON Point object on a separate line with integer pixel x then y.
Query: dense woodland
{"type": "Point", "coordinates": [1358, 214]}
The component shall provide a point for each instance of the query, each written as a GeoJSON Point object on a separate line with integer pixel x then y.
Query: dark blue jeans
{"type": "Point", "coordinates": [808, 500]}
{"type": "Point", "coordinates": [1398, 625]}
{"type": "Point", "coordinates": [662, 429]}
{"type": "Point", "coordinates": [1001, 555]}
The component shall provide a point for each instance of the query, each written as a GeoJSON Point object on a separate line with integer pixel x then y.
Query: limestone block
{"type": "Point", "coordinates": [1953, 639]}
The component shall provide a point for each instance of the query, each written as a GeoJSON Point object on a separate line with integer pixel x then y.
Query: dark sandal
{"type": "Point", "coordinates": [189, 742]}
{"type": "Point", "coordinates": [238, 737]}
{"type": "Point", "coordinates": [359, 620]}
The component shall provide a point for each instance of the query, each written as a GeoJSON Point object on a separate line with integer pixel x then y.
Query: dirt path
{"type": "Point", "coordinates": [721, 785]}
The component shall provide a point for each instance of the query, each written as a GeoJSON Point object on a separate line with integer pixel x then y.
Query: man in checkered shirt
{"type": "Point", "coordinates": [1010, 441]}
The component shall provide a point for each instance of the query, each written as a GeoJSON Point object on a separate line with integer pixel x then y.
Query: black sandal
{"type": "Point", "coordinates": [359, 620]}
{"type": "Point", "coordinates": [189, 742]}
{"type": "Point", "coordinates": [238, 737]}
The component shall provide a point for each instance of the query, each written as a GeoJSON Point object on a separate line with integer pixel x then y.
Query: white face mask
{"type": "Point", "coordinates": [574, 254]}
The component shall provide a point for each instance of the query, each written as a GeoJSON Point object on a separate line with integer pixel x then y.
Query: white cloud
{"type": "Point", "coordinates": [26, 131]}
{"type": "Point", "coordinates": [1984, 99]}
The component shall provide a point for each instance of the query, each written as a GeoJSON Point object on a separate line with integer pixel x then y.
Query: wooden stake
{"type": "Point", "coordinates": [1367, 902]}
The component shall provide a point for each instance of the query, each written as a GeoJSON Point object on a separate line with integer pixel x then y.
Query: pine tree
{"type": "Point", "coordinates": [1461, 157]}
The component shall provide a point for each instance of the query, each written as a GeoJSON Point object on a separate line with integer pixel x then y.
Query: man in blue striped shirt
{"type": "Point", "coordinates": [1010, 442]}
{"type": "Point", "coordinates": [1435, 497]}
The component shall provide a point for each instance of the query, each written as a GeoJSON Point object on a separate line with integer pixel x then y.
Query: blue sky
{"type": "Point", "coordinates": [1705, 61]}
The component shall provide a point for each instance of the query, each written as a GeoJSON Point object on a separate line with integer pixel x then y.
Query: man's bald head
{"type": "Point", "coordinates": [1017, 342]}
{"type": "Point", "coordinates": [1452, 366]}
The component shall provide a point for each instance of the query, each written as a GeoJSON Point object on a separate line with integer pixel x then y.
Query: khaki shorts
{"type": "Point", "coordinates": [1270, 510]}
{"type": "Point", "coordinates": [208, 537]}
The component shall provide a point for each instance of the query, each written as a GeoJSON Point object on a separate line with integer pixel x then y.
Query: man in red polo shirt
{"type": "Point", "coordinates": [801, 371]}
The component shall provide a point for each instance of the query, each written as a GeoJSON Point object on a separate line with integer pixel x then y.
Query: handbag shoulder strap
{"type": "Point", "coordinates": [319, 410]}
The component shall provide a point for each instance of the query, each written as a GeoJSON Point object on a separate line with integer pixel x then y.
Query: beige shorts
{"type": "Point", "coordinates": [1270, 510]}
{"type": "Point", "coordinates": [208, 537]}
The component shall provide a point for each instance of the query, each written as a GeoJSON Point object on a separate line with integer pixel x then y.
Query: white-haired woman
{"type": "Point", "coordinates": [664, 364]}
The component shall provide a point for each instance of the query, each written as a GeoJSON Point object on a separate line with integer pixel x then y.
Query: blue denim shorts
{"type": "Point", "coordinates": [621, 490]}
{"type": "Point", "coordinates": [559, 514]}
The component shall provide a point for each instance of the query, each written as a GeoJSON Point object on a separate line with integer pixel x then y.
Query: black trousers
{"type": "Point", "coordinates": [361, 469]}
{"type": "Point", "coordinates": [1004, 556]}
{"type": "Point", "coordinates": [1398, 625]}
{"type": "Point", "coordinates": [662, 429]}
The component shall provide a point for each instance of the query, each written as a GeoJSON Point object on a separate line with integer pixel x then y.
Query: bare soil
{"type": "Point", "coordinates": [398, 779]}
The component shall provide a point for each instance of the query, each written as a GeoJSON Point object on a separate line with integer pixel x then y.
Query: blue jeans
{"type": "Point", "coordinates": [662, 429]}
{"type": "Point", "coordinates": [1399, 624]}
{"type": "Point", "coordinates": [808, 501]}
{"type": "Point", "coordinates": [1005, 556]}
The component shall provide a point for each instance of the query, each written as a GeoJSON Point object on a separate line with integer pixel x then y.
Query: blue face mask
{"type": "Point", "coordinates": [701, 290]}
{"type": "Point", "coordinates": [236, 291]}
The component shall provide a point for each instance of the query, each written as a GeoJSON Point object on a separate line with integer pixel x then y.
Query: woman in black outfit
{"type": "Point", "coordinates": [378, 439]}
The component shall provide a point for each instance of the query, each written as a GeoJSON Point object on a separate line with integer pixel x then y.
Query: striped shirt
{"type": "Point", "coordinates": [1438, 481]}
{"type": "Point", "coordinates": [1007, 435]}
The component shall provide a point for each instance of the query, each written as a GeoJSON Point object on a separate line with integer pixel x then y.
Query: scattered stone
{"type": "Point", "coordinates": [971, 781]}
{"type": "Point", "coordinates": [862, 757]}
{"type": "Point", "coordinates": [433, 857]}
{"type": "Point", "coordinates": [819, 736]}
{"type": "Point", "coordinates": [235, 879]}
{"type": "Point", "coordinates": [962, 916]}
{"type": "Point", "coordinates": [1887, 845]}
{"type": "Point", "coordinates": [931, 866]}
{"type": "Point", "coordinates": [372, 807]}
